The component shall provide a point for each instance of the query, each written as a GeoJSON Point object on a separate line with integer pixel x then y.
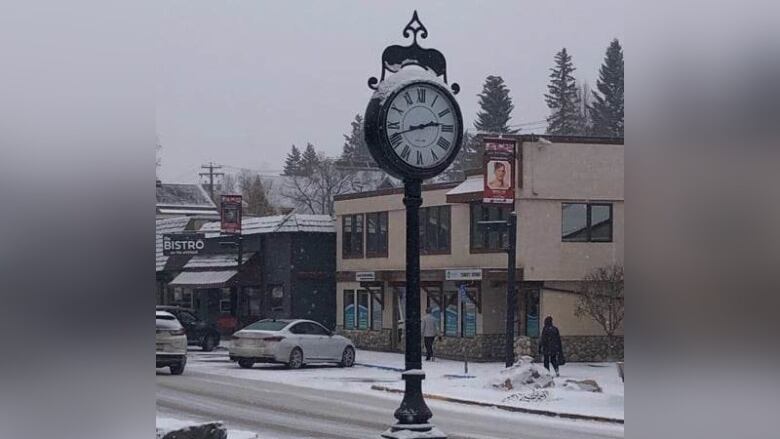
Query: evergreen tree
{"type": "Point", "coordinates": [255, 197]}
{"type": "Point", "coordinates": [608, 104]}
{"type": "Point", "coordinates": [292, 164]}
{"type": "Point", "coordinates": [562, 97]}
{"type": "Point", "coordinates": [495, 107]}
{"type": "Point", "coordinates": [355, 148]}
{"type": "Point", "coordinates": [309, 160]}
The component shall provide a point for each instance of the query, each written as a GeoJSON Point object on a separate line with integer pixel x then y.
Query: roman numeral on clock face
{"type": "Point", "coordinates": [435, 157]}
{"type": "Point", "coordinates": [396, 139]}
{"type": "Point", "coordinates": [394, 125]}
{"type": "Point", "coordinates": [444, 112]}
{"type": "Point", "coordinates": [405, 153]}
{"type": "Point", "coordinates": [434, 100]}
{"type": "Point", "coordinates": [408, 98]}
{"type": "Point", "coordinates": [396, 109]}
{"type": "Point", "coordinates": [419, 158]}
{"type": "Point", "coordinates": [443, 143]}
{"type": "Point", "coordinates": [421, 95]}
{"type": "Point", "coordinates": [446, 128]}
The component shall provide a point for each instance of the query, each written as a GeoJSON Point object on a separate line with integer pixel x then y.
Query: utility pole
{"type": "Point", "coordinates": [211, 166]}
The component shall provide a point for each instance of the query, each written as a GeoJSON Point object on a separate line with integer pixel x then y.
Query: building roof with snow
{"type": "Point", "coordinates": [162, 226]}
{"type": "Point", "coordinates": [290, 223]}
{"type": "Point", "coordinates": [174, 199]}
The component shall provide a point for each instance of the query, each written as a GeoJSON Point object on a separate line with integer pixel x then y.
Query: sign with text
{"type": "Point", "coordinates": [463, 274]}
{"type": "Point", "coordinates": [365, 276]}
{"type": "Point", "coordinates": [183, 243]}
{"type": "Point", "coordinates": [230, 213]}
{"type": "Point", "coordinates": [499, 171]}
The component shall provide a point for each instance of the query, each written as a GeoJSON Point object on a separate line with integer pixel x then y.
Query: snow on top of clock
{"type": "Point", "coordinates": [397, 80]}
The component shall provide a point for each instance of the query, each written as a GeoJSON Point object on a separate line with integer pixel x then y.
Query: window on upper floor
{"type": "Point", "coordinates": [484, 240]}
{"type": "Point", "coordinates": [586, 222]}
{"type": "Point", "coordinates": [376, 234]}
{"type": "Point", "coordinates": [352, 236]}
{"type": "Point", "coordinates": [435, 230]}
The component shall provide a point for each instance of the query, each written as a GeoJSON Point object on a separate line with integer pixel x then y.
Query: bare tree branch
{"type": "Point", "coordinates": [601, 298]}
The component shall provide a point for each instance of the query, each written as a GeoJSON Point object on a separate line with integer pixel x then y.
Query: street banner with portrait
{"type": "Point", "coordinates": [230, 213]}
{"type": "Point", "coordinates": [499, 171]}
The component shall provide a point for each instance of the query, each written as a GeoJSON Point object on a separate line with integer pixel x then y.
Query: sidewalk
{"type": "Point", "coordinates": [447, 380]}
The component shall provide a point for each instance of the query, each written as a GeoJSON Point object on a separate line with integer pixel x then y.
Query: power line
{"type": "Point", "coordinates": [211, 166]}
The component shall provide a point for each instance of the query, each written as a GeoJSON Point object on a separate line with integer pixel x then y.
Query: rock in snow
{"type": "Point", "coordinates": [211, 430]}
{"type": "Point", "coordinates": [584, 385]}
{"type": "Point", "coordinates": [523, 375]}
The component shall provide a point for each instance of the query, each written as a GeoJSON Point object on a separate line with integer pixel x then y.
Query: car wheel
{"type": "Point", "coordinates": [178, 369]}
{"type": "Point", "coordinates": [296, 359]}
{"type": "Point", "coordinates": [348, 357]}
{"type": "Point", "coordinates": [246, 364]}
{"type": "Point", "coordinates": [209, 343]}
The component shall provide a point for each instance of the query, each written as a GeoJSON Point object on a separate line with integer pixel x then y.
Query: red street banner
{"type": "Point", "coordinates": [230, 213]}
{"type": "Point", "coordinates": [499, 171]}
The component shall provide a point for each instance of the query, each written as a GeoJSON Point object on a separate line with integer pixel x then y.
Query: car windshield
{"type": "Point", "coordinates": [268, 325]}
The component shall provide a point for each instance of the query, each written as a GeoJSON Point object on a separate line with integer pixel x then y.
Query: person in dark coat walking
{"type": "Point", "coordinates": [550, 346]}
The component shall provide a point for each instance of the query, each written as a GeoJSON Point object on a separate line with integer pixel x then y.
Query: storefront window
{"type": "Point", "coordinates": [349, 309]}
{"type": "Point", "coordinates": [376, 310]}
{"type": "Point", "coordinates": [362, 321]}
{"type": "Point", "coordinates": [468, 315]}
{"type": "Point", "coordinates": [451, 314]}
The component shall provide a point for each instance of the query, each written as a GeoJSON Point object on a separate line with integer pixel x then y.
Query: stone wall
{"type": "Point", "coordinates": [491, 347]}
{"type": "Point", "coordinates": [478, 348]}
{"type": "Point", "coordinates": [369, 340]}
{"type": "Point", "coordinates": [575, 348]}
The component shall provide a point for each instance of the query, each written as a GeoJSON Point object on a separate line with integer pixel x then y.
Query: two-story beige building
{"type": "Point", "coordinates": [569, 204]}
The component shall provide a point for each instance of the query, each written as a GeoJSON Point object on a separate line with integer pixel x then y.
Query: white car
{"type": "Point", "coordinates": [291, 342]}
{"type": "Point", "coordinates": [171, 343]}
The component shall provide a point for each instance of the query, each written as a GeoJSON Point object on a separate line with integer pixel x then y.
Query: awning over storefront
{"type": "Point", "coordinates": [466, 192]}
{"type": "Point", "coordinates": [203, 279]}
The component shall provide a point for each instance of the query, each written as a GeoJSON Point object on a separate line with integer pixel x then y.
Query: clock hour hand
{"type": "Point", "coordinates": [419, 127]}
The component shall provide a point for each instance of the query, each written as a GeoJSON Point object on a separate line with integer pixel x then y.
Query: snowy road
{"type": "Point", "coordinates": [281, 411]}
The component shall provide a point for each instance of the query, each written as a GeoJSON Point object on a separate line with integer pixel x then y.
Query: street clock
{"type": "Point", "coordinates": [413, 124]}
{"type": "Point", "coordinates": [415, 131]}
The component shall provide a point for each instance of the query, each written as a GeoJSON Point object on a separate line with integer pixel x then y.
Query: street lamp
{"type": "Point", "coordinates": [413, 129]}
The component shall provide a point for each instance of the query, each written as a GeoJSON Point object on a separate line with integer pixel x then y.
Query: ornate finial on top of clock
{"type": "Point", "coordinates": [396, 57]}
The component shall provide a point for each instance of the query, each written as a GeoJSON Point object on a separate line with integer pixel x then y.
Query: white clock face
{"type": "Point", "coordinates": [421, 125]}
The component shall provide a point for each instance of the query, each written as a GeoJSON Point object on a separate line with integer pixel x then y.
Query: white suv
{"type": "Point", "coordinates": [171, 343]}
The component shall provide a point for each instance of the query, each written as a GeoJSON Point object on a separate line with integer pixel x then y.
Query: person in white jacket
{"type": "Point", "coordinates": [430, 330]}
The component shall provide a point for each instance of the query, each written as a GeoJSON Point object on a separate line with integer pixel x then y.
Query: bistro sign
{"type": "Point", "coordinates": [183, 243]}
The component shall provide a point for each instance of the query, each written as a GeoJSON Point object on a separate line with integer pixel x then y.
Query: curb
{"type": "Point", "coordinates": [394, 369]}
{"type": "Point", "coordinates": [509, 408]}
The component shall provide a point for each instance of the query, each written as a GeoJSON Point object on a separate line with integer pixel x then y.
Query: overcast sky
{"type": "Point", "coordinates": [241, 81]}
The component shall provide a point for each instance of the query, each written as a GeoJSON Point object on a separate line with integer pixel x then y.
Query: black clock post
{"type": "Point", "coordinates": [438, 137]}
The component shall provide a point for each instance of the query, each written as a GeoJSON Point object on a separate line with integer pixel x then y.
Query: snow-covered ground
{"type": "Point", "coordinates": [373, 369]}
